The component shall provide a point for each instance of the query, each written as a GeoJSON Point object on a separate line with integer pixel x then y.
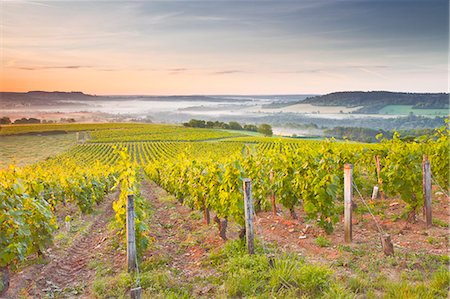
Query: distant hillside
{"type": "Point", "coordinates": [41, 98]}
{"type": "Point", "coordinates": [56, 98]}
{"type": "Point", "coordinates": [373, 101]}
{"type": "Point", "coordinates": [39, 95]}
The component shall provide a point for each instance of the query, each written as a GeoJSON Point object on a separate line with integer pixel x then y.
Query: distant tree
{"type": "Point", "coordinates": [20, 121]}
{"type": "Point", "coordinates": [33, 120]}
{"type": "Point", "coordinates": [195, 123]}
{"type": "Point", "coordinates": [235, 125]}
{"type": "Point", "coordinates": [5, 120]}
{"type": "Point", "coordinates": [265, 129]}
{"type": "Point", "coordinates": [30, 120]}
{"type": "Point", "coordinates": [251, 128]}
{"type": "Point", "coordinates": [224, 126]}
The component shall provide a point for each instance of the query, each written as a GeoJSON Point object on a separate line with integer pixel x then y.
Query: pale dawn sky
{"type": "Point", "coordinates": [224, 47]}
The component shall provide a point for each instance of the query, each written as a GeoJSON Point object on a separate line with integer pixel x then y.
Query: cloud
{"type": "Point", "coordinates": [27, 2]}
{"type": "Point", "coordinates": [37, 68]}
{"type": "Point", "coordinates": [180, 69]}
{"type": "Point", "coordinates": [364, 68]}
{"type": "Point", "coordinates": [227, 72]}
{"type": "Point", "coordinates": [176, 71]}
{"type": "Point", "coordinates": [377, 74]}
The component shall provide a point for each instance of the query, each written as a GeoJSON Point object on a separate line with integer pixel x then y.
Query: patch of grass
{"type": "Point", "coordinates": [404, 290]}
{"type": "Point", "coordinates": [440, 282]}
{"type": "Point", "coordinates": [162, 283]}
{"type": "Point", "coordinates": [421, 275]}
{"type": "Point", "coordinates": [2, 285]}
{"type": "Point", "coordinates": [195, 215]}
{"type": "Point", "coordinates": [112, 286]}
{"type": "Point", "coordinates": [254, 276]}
{"type": "Point", "coordinates": [358, 285]}
{"type": "Point", "coordinates": [189, 241]}
{"type": "Point", "coordinates": [428, 262]}
{"type": "Point", "coordinates": [322, 241]}
{"type": "Point", "coordinates": [337, 291]}
{"type": "Point", "coordinates": [247, 275]}
{"type": "Point", "coordinates": [101, 269]}
{"type": "Point", "coordinates": [358, 252]}
{"type": "Point", "coordinates": [412, 275]}
{"type": "Point", "coordinates": [155, 280]}
{"type": "Point", "coordinates": [166, 197]}
{"type": "Point", "coordinates": [345, 248]}
{"type": "Point", "coordinates": [166, 225]}
{"type": "Point", "coordinates": [291, 273]}
{"type": "Point", "coordinates": [432, 240]}
{"type": "Point", "coordinates": [397, 217]}
{"type": "Point", "coordinates": [440, 223]}
{"type": "Point", "coordinates": [155, 262]}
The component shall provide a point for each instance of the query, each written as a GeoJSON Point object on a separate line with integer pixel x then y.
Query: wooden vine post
{"type": "Point", "coordinates": [426, 174]}
{"type": "Point", "coordinates": [131, 238]}
{"type": "Point", "coordinates": [248, 205]}
{"type": "Point", "coordinates": [380, 180]}
{"type": "Point", "coordinates": [272, 194]}
{"type": "Point", "coordinates": [348, 186]}
{"type": "Point", "coordinates": [135, 293]}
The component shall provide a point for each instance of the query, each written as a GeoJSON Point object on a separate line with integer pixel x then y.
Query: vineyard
{"type": "Point", "coordinates": [191, 180]}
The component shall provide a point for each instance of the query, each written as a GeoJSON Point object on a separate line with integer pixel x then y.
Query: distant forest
{"type": "Point", "coordinates": [373, 101]}
{"type": "Point", "coordinates": [370, 135]}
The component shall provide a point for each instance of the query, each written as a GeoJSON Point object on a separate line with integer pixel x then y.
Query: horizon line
{"type": "Point", "coordinates": [223, 94]}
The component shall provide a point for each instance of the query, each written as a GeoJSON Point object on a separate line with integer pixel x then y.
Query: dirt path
{"type": "Point", "coordinates": [181, 237]}
{"type": "Point", "coordinates": [67, 273]}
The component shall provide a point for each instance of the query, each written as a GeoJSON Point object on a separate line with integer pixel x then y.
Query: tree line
{"type": "Point", "coordinates": [264, 129]}
{"type": "Point", "coordinates": [7, 121]}
{"type": "Point", "coordinates": [370, 135]}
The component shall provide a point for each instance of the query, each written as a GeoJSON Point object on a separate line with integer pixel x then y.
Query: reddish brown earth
{"type": "Point", "coordinates": [181, 238]}
{"type": "Point", "coordinates": [66, 269]}
{"type": "Point", "coordinates": [299, 235]}
{"type": "Point", "coordinates": [184, 241]}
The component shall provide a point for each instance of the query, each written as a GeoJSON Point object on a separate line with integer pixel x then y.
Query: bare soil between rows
{"type": "Point", "coordinates": [181, 238]}
{"type": "Point", "coordinates": [65, 271]}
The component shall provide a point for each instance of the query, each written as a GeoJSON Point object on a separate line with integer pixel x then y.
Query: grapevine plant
{"type": "Point", "coordinates": [128, 180]}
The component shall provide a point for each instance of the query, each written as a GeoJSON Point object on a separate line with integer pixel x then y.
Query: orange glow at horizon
{"type": "Point", "coordinates": [218, 47]}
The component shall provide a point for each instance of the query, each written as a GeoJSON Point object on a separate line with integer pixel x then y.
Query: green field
{"type": "Point", "coordinates": [407, 109]}
{"type": "Point", "coordinates": [23, 150]}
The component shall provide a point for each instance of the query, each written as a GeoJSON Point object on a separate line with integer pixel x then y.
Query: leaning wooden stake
{"type": "Point", "coordinates": [248, 204]}
{"type": "Point", "coordinates": [272, 195]}
{"type": "Point", "coordinates": [131, 238]}
{"type": "Point", "coordinates": [348, 186]}
{"type": "Point", "coordinates": [388, 247]}
{"type": "Point", "coordinates": [427, 190]}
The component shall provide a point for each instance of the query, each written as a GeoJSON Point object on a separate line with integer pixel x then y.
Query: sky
{"type": "Point", "coordinates": [224, 47]}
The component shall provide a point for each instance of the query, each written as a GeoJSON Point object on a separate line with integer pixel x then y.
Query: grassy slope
{"type": "Point", "coordinates": [406, 109]}
{"type": "Point", "coordinates": [23, 150]}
